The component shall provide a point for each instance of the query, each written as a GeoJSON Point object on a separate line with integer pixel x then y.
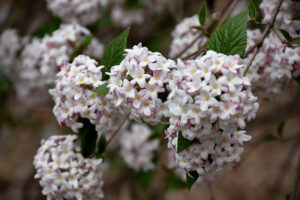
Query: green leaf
{"type": "Point", "coordinates": [102, 90]}
{"type": "Point", "coordinates": [183, 143]}
{"type": "Point", "coordinates": [157, 131]}
{"type": "Point", "coordinates": [47, 29]}
{"type": "Point", "coordinates": [4, 83]}
{"type": "Point", "coordinates": [286, 34]}
{"type": "Point", "coordinates": [252, 10]}
{"type": "Point", "coordinates": [102, 144]}
{"type": "Point", "coordinates": [296, 16]}
{"type": "Point", "coordinates": [191, 178]}
{"type": "Point", "coordinates": [175, 183]}
{"type": "Point", "coordinates": [295, 40]}
{"type": "Point", "coordinates": [114, 53]}
{"type": "Point", "coordinates": [280, 128]}
{"type": "Point", "coordinates": [231, 38]}
{"type": "Point", "coordinates": [269, 138]}
{"type": "Point", "coordinates": [202, 15]}
{"type": "Point", "coordinates": [81, 47]}
{"type": "Point", "coordinates": [88, 136]}
{"type": "Point", "coordinates": [145, 178]}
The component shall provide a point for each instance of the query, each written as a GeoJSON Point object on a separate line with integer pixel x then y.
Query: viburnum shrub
{"type": "Point", "coordinates": [192, 107]}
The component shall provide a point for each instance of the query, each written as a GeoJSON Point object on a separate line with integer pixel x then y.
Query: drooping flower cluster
{"type": "Point", "coordinates": [64, 173]}
{"type": "Point", "coordinates": [138, 84]}
{"type": "Point", "coordinates": [288, 10]}
{"type": "Point", "coordinates": [209, 103]}
{"type": "Point", "coordinates": [10, 44]}
{"type": "Point", "coordinates": [73, 97]}
{"type": "Point", "coordinates": [40, 60]}
{"type": "Point", "coordinates": [136, 148]}
{"type": "Point", "coordinates": [274, 66]}
{"type": "Point", "coordinates": [184, 35]}
{"type": "Point", "coordinates": [80, 11]}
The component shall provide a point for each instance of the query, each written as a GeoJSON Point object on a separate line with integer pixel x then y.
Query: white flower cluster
{"type": "Point", "coordinates": [124, 16]}
{"type": "Point", "coordinates": [40, 60]}
{"type": "Point", "coordinates": [64, 173]}
{"type": "Point", "coordinates": [184, 35]}
{"type": "Point", "coordinates": [209, 103]}
{"type": "Point", "coordinates": [136, 148]}
{"type": "Point", "coordinates": [288, 9]}
{"type": "Point", "coordinates": [10, 45]}
{"type": "Point", "coordinates": [80, 11]}
{"type": "Point", "coordinates": [73, 97]}
{"type": "Point", "coordinates": [138, 82]}
{"type": "Point", "coordinates": [274, 66]}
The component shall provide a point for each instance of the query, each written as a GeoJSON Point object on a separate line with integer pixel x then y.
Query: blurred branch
{"type": "Point", "coordinates": [261, 40]}
{"type": "Point", "coordinates": [296, 190]}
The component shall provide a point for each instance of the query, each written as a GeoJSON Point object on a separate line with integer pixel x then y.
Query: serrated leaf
{"type": "Point", "coordinates": [81, 47]}
{"type": "Point", "coordinates": [102, 144]}
{"type": "Point", "coordinates": [102, 90]}
{"type": "Point", "coordinates": [183, 143]}
{"type": "Point", "coordinates": [175, 183]}
{"type": "Point", "coordinates": [114, 53]}
{"type": "Point", "coordinates": [269, 138]}
{"type": "Point", "coordinates": [251, 10]}
{"type": "Point", "coordinates": [191, 178]}
{"type": "Point", "coordinates": [280, 128]}
{"type": "Point", "coordinates": [231, 38]}
{"type": "Point", "coordinates": [88, 136]}
{"type": "Point", "coordinates": [47, 29]}
{"type": "Point", "coordinates": [285, 34]}
{"type": "Point", "coordinates": [145, 178]}
{"type": "Point", "coordinates": [202, 15]}
{"type": "Point", "coordinates": [295, 40]}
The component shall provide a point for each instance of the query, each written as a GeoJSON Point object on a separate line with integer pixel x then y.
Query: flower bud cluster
{"type": "Point", "coordinates": [40, 60]}
{"type": "Point", "coordinates": [64, 173]}
{"type": "Point", "coordinates": [74, 98]}
{"type": "Point", "coordinates": [136, 148]}
{"type": "Point", "coordinates": [10, 45]}
{"type": "Point", "coordinates": [209, 103]}
{"type": "Point", "coordinates": [288, 10]}
{"type": "Point", "coordinates": [184, 35]}
{"type": "Point", "coordinates": [138, 83]}
{"type": "Point", "coordinates": [80, 11]}
{"type": "Point", "coordinates": [274, 66]}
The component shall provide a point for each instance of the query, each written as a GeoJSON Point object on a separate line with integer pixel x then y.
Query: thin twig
{"type": "Point", "coordinates": [260, 42]}
{"type": "Point", "coordinates": [226, 14]}
{"type": "Point", "coordinates": [117, 130]}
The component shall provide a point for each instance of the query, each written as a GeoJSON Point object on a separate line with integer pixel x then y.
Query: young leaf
{"type": "Point", "coordinates": [231, 38]}
{"type": "Point", "coordinates": [157, 131]}
{"type": "Point", "coordinates": [175, 183]}
{"type": "Point", "coordinates": [269, 138]}
{"type": "Point", "coordinates": [114, 53]}
{"type": "Point", "coordinates": [295, 40]}
{"type": "Point", "coordinates": [252, 10]}
{"type": "Point", "coordinates": [202, 15]}
{"type": "Point", "coordinates": [191, 178]}
{"type": "Point", "coordinates": [47, 29]}
{"type": "Point", "coordinates": [81, 47]}
{"type": "Point", "coordinates": [102, 144]}
{"type": "Point", "coordinates": [183, 143]}
{"type": "Point", "coordinates": [280, 128]}
{"type": "Point", "coordinates": [286, 34]}
{"type": "Point", "coordinates": [144, 179]}
{"type": "Point", "coordinates": [102, 90]}
{"type": "Point", "coordinates": [88, 136]}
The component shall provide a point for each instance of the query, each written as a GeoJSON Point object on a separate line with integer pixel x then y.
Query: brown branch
{"type": "Point", "coordinates": [296, 190]}
{"type": "Point", "coordinates": [261, 40]}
